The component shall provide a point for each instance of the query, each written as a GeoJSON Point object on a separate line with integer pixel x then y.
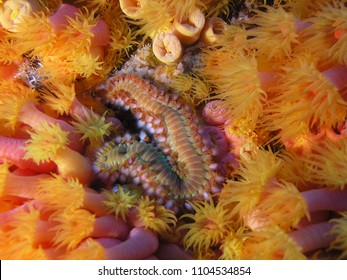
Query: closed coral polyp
{"type": "Point", "coordinates": [188, 32]}
{"type": "Point", "coordinates": [212, 30]}
{"type": "Point", "coordinates": [167, 48]}
{"type": "Point", "coordinates": [132, 7]}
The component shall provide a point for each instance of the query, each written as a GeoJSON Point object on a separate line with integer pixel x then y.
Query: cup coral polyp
{"type": "Point", "coordinates": [209, 225]}
{"type": "Point", "coordinates": [308, 98]}
{"type": "Point", "coordinates": [49, 143]}
{"type": "Point", "coordinates": [189, 32]}
{"type": "Point", "coordinates": [275, 34]}
{"type": "Point", "coordinates": [104, 148]}
{"type": "Point", "coordinates": [326, 34]}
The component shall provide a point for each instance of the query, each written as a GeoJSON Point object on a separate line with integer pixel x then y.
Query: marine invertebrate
{"type": "Point", "coordinates": [164, 161]}
{"type": "Point", "coordinates": [274, 243]}
{"type": "Point", "coordinates": [18, 185]}
{"type": "Point", "coordinates": [12, 151]}
{"type": "Point", "coordinates": [326, 34]}
{"type": "Point", "coordinates": [340, 230]}
{"type": "Point", "coordinates": [12, 12]}
{"type": "Point", "coordinates": [50, 143]}
{"type": "Point", "coordinates": [326, 164]}
{"type": "Point", "coordinates": [256, 173]}
{"type": "Point", "coordinates": [214, 113]}
{"type": "Point", "coordinates": [8, 71]}
{"type": "Point", "coordinates": [232, 246]}
{"type": "Point", "coordinates": [153, 17]}
{"type": "Point", "coordinates": [155, 217]}
{"type": "Point", "coordinates": [54, 36]}
{"type": "Point", "coordinates": [281, 204]}
{"type": "Point", "coordinates": [85, 30]}
{"type": "Point", "coordinates": [8, 50]}
{"type": "Point", "coordinates": [275, 201]}
{"type": "Point", "coordinates": [181, 169]}
{"type": "Point", "coordinates": [60, 18]}
{"type": "Point", "coordinates": [275, 35]}
{"type": "Point", "coordinates": [72, 227]}
{"type": "Point", "coordinates": [58, 96]}
{"type": "Point", "coordinates": [216, 141]}
{"type": "Point", "coordinates": [167, 48]}
{"type": "Point", "coordinates": [120, 200]}
{"type": "Point", "coordinates": [140, 244]}
{"type": "Point", "coordinates": [26, 230]}
{"type": "Point", "coordinates": [41, 38]}
{"type": "Point", "coordinates": [212, 30]}
{"type": "Point", "coordinates": [211, 223]}
{"type": "Point", "coordinates": [314, 236]}
{"type": "Point", "coordinates": [18, 107]}
{"type": "Point", "coordinates": [191, 88]}
{"type": "Point", "coordinates": [325, 199]}
{"type": "Point", "coordinates": [68, 194]}
{"type": "Point", "coordinates": [61, 98]}
{"type": "Point", "coordinates": [238, 86]}
{"type": "Point", "coordinates": [131, 8]}
{"type": "Point", "coordinates": [94, 128]}
{"type": "Point", "coordinates": [188, 31]}
{"type": "Point", "coordinates": [302, 104]}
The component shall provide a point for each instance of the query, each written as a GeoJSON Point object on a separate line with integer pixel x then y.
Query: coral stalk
{"type": "Point", "coordinates": [325, 199]}
{"type": "Point", "coordinates": [313, 237]}
{"type": "Point", "coordinates": [59, 20]}
{"type": "Point", "coordinates": [22, 186]}
{"type": "Point", "coordinates": [72, 164]}
{"type": "Point", "coordinates": [101, 34]}
{"type": "Point", "coordinates": [337, 75]}
{"type": "Point", "coordinates": [12, 150]}
{"type": "Point", "coordinates": [140, 244]}
{"type": "Point", "coordinates": [32, 116]}
{"type": "Point", "coordinates": [108, 226]}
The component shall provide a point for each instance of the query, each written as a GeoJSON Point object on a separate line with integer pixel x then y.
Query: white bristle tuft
{"type": "Point", "coordinates": [169, 204]}
{"type": "Point", "coordinates": [188, 206]}
{"type": "Point", "coordinates": [127, 136]}
{"type": "Point", "coordinates": [220, 179]}
{"type": "Point", "coordinates": [136, 180]}
{"type": "Point", "coordinates": [142, 135]}
{"type": "Point", "coordinates": [140, 124]}
{"type": "Point", "coordinates": [213, 166]}
{"type": "Point", "coordinates": [215, 189]}
{"type": "Point", "coordinates": [150, 191]}
{"type": "Point", "coordinates": [206, 196]}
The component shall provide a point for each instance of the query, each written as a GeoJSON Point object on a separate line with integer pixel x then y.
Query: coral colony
{"type": "Point", "coordinates": [159, 129]}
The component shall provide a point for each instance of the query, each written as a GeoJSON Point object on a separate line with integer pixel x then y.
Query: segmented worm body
{"type": "Point", "coordinates": [176, 165]}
